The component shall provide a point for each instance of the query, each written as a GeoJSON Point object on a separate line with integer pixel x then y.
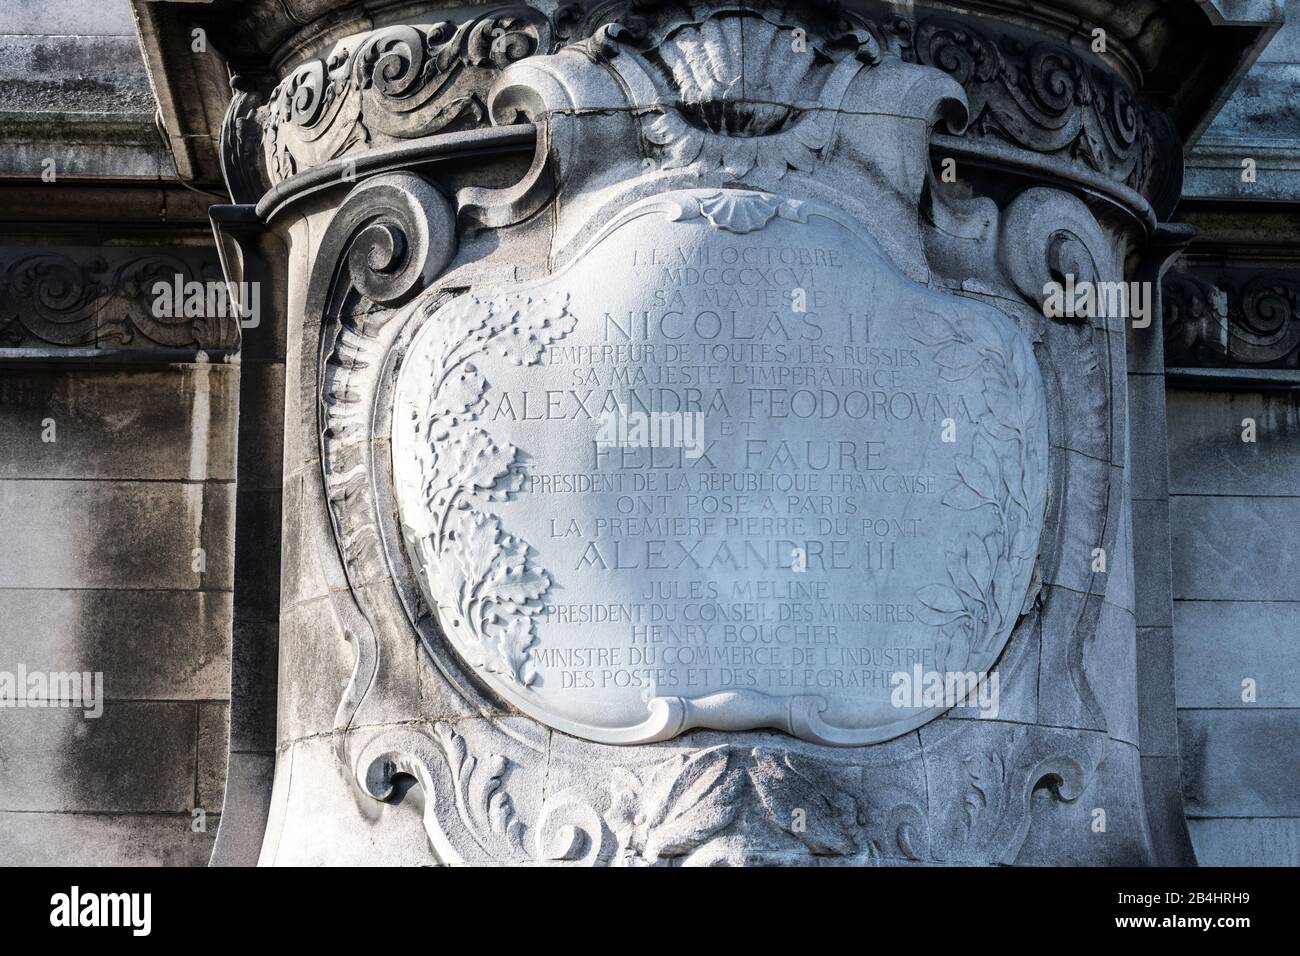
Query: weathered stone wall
{"type": "Point", "coordinates": [1234, 508]}
{"type": "Point", "coordinates": [97, 574]}
{"type": "Point", "coordinates": [117, 458]}
{"type": "Point", "coordinates": [1234, 302]}
{"type": "Point", "coordinates": [74, 94]}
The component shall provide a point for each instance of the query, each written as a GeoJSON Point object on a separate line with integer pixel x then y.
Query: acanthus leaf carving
{"type": "Point", "coordinates": [393, 84]}
{"type": "Point", "coordinates": [808, 802]}
{"type": "Point", "coordinates": [998, 786]}
{"type": "Point", "coordinates": [676, 807]}
{"type": "Point", "coordinates": [1026, 91]}
{"type": "Point", "coordinates": [1042, 96]}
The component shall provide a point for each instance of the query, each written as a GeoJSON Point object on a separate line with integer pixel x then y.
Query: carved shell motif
{"type": "Point", "coordinates": [740, 75]}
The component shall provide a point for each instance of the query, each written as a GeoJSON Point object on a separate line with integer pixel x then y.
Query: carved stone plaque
{"type": "Point", "coordinates": [729, 468]}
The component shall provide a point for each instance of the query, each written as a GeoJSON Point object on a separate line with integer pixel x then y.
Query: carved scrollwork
{"type": "Point", "coordinates": [107, 300]}
{"type": "Point", "coordinates": [720, 804]}
{"type": "Point", "coordinates": [728, 804]}
{"type": "Point", "coordinates": [1235, 318]}
{"type": "Point", "coordinates": [465, 792]}
{"type": "Point", "coordinates": [1045, 97]}
{"type": "Point", "coordinates": [393, 84]}
{"type": "Point", "coordinates": [1045, 235]}
{"type": "Point", "coordinates": [992, 778]}
{"type": "Point", "coordinates": [387, 241]}
{"type": "Point", "coordinates": [394, 234]}
{"type": "Point", "coordinates": [1025, 91]}
{"type": "Point", "coordinates": [736, 804]}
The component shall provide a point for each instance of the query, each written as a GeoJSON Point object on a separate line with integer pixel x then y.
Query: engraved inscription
{"type": "Point", "coordinates": [730, 469]}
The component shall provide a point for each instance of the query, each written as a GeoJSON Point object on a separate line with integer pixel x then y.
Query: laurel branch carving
{"type": "Point", "coordinates": [1003, 474]}
{"type": "Point", "coordinates": [495, 587]}
{"type": "Point", "coordinates": [481, 798]}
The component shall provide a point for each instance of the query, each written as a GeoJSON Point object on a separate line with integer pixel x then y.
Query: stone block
{"type": "Point", "coordinates": [1067, 561]}
{"type": "Point", "coordinates": [105, 839]}
{"type": "Point", "coordinates": [1221, 643]}
{"type": "Point", "coordinates": [257, 553]}
{"type": "Point", "coordinates": [138, 757]}
{"type": "Point", "coordinates": [316, 663]}
{"type": "Point", "coordinates": [1208, 457]}
{"type": "Point", "coordinates": [150, 645]}
{"type": "Point", "coordinates": [1109, 662]}
{"type": "Point", "coordinates": [1116, 359]}
{"type": "Point", "coordinates": [261, 426]}
{"type": "Point", "coordinates": [255, 655]}
{"type": "Point", "coordinates": [1152, 584]}
{"type": "Point", "coordinates": [116, 534]}
{"type": "Point", "coordinates": [247, 802]}
{"type": "Point", "coordinates": [1070, 622]}
{"type": "Point", "coordinates": [1233, 548]}
{"type": "Point", "coordinates": [321, 820]}
{"type": "Point", "coordinates": [1162, 790]}
{"type": "Point", "coordinates": [1233, 765]}
{"type": "Point", "coordinates": [1118, 584]}
{"type": "Point", "coordinates": [172, 424]}
{"type": "Point", "coordinates": [1157, 717]}
{"type": "Point", "coordinates": [213, 736]}
{"type": "Point", "coordinates": [1258, 842]}
{"type": "Point", "coordinates": [1101, 826]}
{"type": "Point", "coordinates": [1148, 456]}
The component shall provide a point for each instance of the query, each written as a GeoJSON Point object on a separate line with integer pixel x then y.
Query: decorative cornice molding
{"type": "Point", "coordinates": [103, 299]}
{"type": "Point", "coordinates": [398, 83]}
{"type": "Point", "coordinates": [1236, 317]}
{"type": "Point", "coordinates": [1045, 97]}
{"type": "Point", "coordinates": [394, 84]}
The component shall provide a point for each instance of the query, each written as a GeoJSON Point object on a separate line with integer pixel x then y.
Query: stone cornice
{"type": "Point", "coordinates": [1182, 56]}
{"type": "Point", "coordinates": [1052, 102]}
{"type": "Point", "coordinates": [69, 301]}
{"type": "Point", "coordinates": [1231, 301]}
